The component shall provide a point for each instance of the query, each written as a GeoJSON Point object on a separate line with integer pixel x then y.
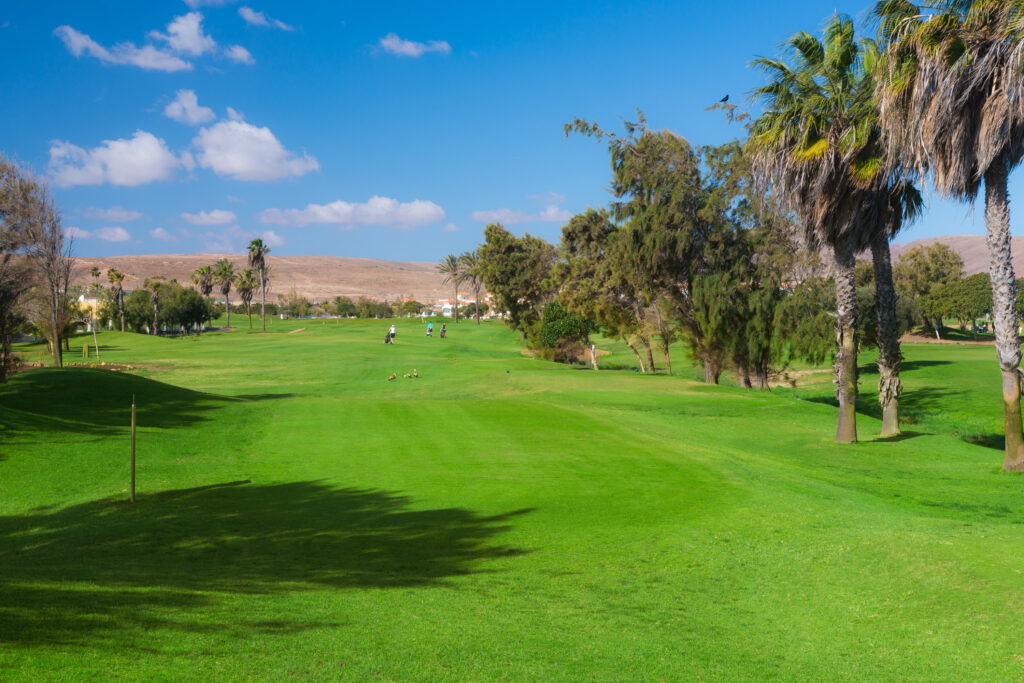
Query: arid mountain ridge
{"type": "Point", "coordinates": [972, 250]}
{"type": "Point", "coordinates": [318, 278]}
{"type": "Point", "coordinates": [321, 278]}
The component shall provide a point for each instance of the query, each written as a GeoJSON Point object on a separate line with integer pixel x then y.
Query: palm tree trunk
{"type": "Point", "coordinates": [455, 303]}
{"type": "Point", "coordinates": [650, 353]}
{"type": "Point", "coordinates": [248, 311]}
{"type": "Point", "coordinates": [476, 302]}
{"type": "Point", "coordinates": [1004, 299]}
{"type": "Point", "coordinates": [263, 301]}
{"type": "Point", "coordinates": [227, 309]}
{"type": "Point", "coordinates": [120, 307]}
{"type": "Point", "coordinates": [889, 357]}
{"type": "Point", "coordinates": [846, 335]}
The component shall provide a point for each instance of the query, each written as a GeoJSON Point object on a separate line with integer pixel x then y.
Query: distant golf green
{"type": "Point", "coordinates": [499, 517]}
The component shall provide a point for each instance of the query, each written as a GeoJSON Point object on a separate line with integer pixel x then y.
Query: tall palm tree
{"type": "Point", "coordinates": [246, 286]}
{"type": "Point", "coordinates": [471, 270]}
{"type": "Point", "coordinates": [813, 147]}
{"type": "Point", "coordinates": [116, 279]}
{"type": "Point", "coordinates": [454, 274]}
{"type": "Point", "coordinates": [202, 278]}
{"type": "Point", "coordinates": [224, 275]}
{"type": "Point", "coordinates": [154, 285]}
{"type": "Point", "coordinates": [951, 106]}
{"type": "Point", "coordinates": [258, 261]}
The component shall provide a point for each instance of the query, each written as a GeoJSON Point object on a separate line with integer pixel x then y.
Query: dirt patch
{"type": "Point", "coordinates": [119, 367]}
{"type": "Point", "coordinates": [790, 378]}
{"type": "Point", "coordinates": [301, 329]}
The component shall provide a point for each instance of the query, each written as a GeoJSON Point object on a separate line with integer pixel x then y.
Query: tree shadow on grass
{"type": "Point", "coordinates": [80, 573]}
{"type": "Point", "coordinates": [98, 402]}
{"type": "Point", "coordinates": [905, 366]}
{"type": "Point", "coordinates": [914, 405]}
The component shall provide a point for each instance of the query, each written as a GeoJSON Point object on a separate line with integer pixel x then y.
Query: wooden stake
{"type": "Point", "coordinates": [133, 450]}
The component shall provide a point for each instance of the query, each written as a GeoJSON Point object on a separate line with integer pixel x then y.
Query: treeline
{"type": "Point", "coordinates": [702, 243]}
{"type": "Point", "coordinates": [688, 251]}
{"type": "Point", "coordinates": [35, 265]}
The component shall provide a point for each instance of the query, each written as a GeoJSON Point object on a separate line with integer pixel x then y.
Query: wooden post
{"type": "Point", "coordinates": [133, 450]}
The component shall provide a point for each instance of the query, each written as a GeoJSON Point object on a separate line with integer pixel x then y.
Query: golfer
{"type": "Point", "coordinates": [392, 334]}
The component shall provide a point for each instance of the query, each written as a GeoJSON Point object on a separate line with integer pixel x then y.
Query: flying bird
{"type": "Point", "coordinates": [724, 99]}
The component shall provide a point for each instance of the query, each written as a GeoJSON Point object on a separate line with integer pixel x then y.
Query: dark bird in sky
{"type": "Point", "coordinates": [724, 99]}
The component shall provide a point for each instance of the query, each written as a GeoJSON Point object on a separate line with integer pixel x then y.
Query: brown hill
{"type": "Point", "coordinates": [972, 250]}
{"type": "Point", "coordinates": [318, 278]}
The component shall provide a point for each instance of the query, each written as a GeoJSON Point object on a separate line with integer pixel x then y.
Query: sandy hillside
{"type": "Point", "coordinates": [972, 250]}
{"type": "Point", "coordinates": [318, 278]}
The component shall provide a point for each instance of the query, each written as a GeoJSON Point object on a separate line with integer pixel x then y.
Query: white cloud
{"type": "Point", "coordinates": [75, 232]}
{"type": "Point", "coordinates": [235, 200]}
{"type": "Point", "coordinates": [235, 115]}
{"type": "Point", "coordinates": [185, 34]}
{"type": "Point", "coordinates": [451, 227]}
{"type": "Point", "coordinates": [409, 48]}
{"type": "Point", "coordinates": [114, 213]}
{"type": "Point", "coordinates": [553, 214]}
{"type": "Point", "coordinates": [549, 214]}
{"type": "Point", "coordinates": [215, 217]}
{"type": "Point", "coordinates": [376, 211]}
{"type": "Point", "coordinates": [196, 4]}
{"type": "Point", "coordinates": [548, 198]}
{"type": "Point", "coordinates": [112, 234]}
{"type": "Point", "coordinates": [142, 159]}
{"type": "Point", "coordinates": [246, 152]}
{"type": "Point", "coordinates": [237, 53]}
{"type": "Point", "coordinates": [506, 216]}
{"type": "Point", "coordinates": [271, 238]}
{"type": "Point", "coordinates": [145, 57]}
{"type": "Point", "coordinates": [162, 235]}
{"type": "Point", "coordinates": [185, 109]}
{"type": "Point", "coordinates": [260, 19]}
{"type": "Point", "coordinates": [234, 240]}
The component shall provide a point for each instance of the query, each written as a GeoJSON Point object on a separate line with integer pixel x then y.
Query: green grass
{"type": "Point", "coordinates": [499, 517]}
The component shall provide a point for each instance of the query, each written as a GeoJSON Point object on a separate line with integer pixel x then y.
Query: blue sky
{"type": "Point", "coordinates": [389, 130]}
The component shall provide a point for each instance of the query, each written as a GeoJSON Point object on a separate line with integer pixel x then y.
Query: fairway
{"type": "Point", "coordinates": [498, 517]}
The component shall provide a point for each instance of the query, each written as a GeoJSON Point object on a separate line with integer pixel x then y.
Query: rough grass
{"type": "Point", "coordinates": [499, 517]}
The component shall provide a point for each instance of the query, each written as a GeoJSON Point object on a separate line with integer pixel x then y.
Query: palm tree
{"type": "Point", "coordinates": [258, 261]}
{"type": "Point", "coordinates": [813, 147]}
{"type": "Point", "coordinates": [202, 278]}
{"type": "Point", "coordinates": [224, 275]}
{"type": "Point", "coordinates": [154, 285]}
{"type": "Point", "coordinates": [116, 279]}
{"type": "Point", "coordinates": [247, 284]}
{"type": "Point", "coordinates": [454, 273]}
{"type": "Point", "coordinates": [950, 106]}
{"type": "Point", "coordinates": [470, 263]}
